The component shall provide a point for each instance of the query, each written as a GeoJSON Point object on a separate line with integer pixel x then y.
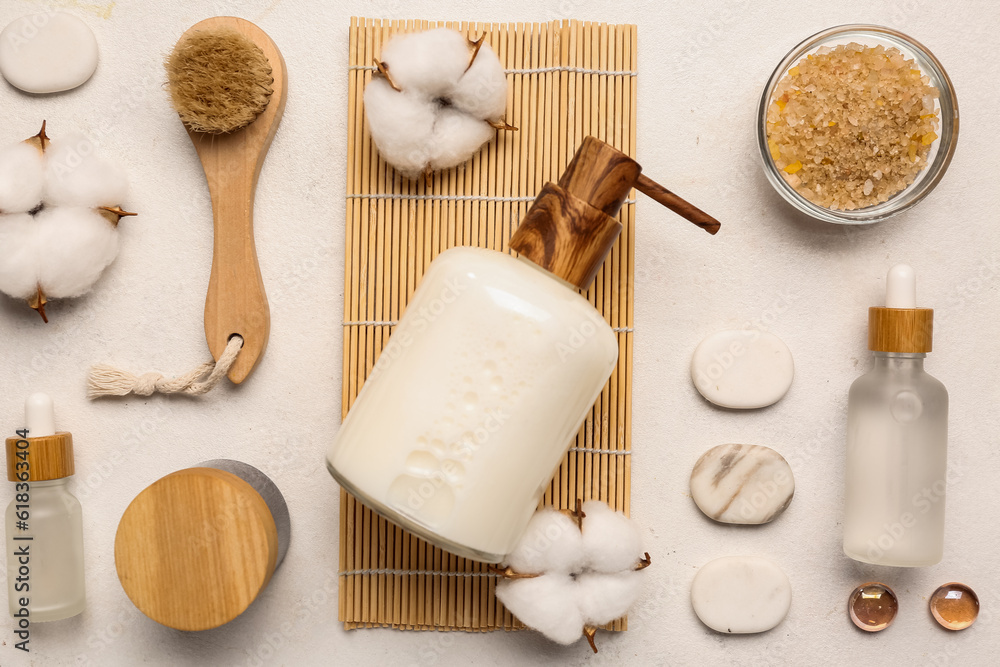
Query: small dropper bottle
{"type": "Point", "coordinates": [897, 438]}
{"type": "Point", "coordinates": [44, 522]}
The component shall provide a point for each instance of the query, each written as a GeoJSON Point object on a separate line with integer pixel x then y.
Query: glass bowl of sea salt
{"type": "Point", "coordinates": [856, 124]}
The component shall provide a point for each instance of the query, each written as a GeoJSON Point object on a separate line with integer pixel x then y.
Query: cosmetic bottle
{"type": "Point", "coordinates": [44, 522]}
{"type": "Point", "coordinates": [897, 439]}
{"type": "Point", "coordinates": [491, 371]}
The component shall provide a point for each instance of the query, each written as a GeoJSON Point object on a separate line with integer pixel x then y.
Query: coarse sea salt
{"type": "Point", "coordinates": [885, 121]}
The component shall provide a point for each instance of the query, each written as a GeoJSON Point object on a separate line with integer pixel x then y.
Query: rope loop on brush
{"type": "Point", "coordinates": [109, 381]}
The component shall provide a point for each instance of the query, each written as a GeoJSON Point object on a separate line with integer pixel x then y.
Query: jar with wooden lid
{"type": "Point", "coordinates": [197, 547]}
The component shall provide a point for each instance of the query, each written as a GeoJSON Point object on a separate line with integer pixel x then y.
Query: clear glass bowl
{"type": "Point", "coordinates": [941, 150]}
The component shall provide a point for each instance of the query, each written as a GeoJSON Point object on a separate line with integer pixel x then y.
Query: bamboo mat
{"type": "Point", "coordinates": [567, 80]}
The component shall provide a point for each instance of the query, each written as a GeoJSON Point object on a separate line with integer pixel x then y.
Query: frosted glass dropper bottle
{"type": "Point", "coordinates": [44, 522]}
{"type": "Point", "coordinates": [492, 369]}
{"type": "Point", "coordinates": [897, 438]}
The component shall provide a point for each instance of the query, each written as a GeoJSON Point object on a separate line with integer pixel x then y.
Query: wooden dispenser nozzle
{"type": "Point", "coordinates": [570, 228]}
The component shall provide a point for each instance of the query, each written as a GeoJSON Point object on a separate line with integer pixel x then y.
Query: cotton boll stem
{"type": "Point", "coordinates": [509, 573]}
{"type": "Point", "coordinates": [383, 69]}
{"type": "Point", "coordinates": [576, 514]}
{"type": "Point", "coordinates": [590, 633]}
{"type": "Point", "coordinates": [37, 302]}
{"type": "Point", "coordinates": [477, 45]}
{"type": "Point", "coordinates": [114, 214]}
{"type": "Point", "coordinates": [40, 140]}
{"type": "Point", "coordinates": [501, 125]}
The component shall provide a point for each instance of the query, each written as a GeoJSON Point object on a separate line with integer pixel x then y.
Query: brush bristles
{"type": "Point", "coordinates": [219, 80]}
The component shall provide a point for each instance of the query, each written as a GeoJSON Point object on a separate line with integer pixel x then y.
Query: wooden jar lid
{"type": "Point", "coordinates": [48, 457]}
{"type": "Point", "coordinates": [900, 329]}
{"type": "Point", "coordinates": [196, 548]}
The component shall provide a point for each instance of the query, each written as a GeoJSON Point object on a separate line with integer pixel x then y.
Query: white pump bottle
{"type": "Point", "coordinates": [492, 369]}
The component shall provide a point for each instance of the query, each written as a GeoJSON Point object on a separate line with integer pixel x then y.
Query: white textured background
{"type": "Point", "coordinates": [702, 66]}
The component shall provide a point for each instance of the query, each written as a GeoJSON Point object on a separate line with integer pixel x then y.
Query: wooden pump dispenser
{"type": "Point", "coordinates": [570, 227]}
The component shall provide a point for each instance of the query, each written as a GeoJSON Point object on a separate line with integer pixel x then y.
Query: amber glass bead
{"type": "Point", "coordinates": [955, 606]}
{"type": "Point", "coordinates": [873, 606]}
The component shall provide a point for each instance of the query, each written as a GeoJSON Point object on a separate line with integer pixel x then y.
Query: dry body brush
{"type": "Point", "coordinates": [219, 81]}
{"type": "Point", "coordinates": [59, 213]}
{"type": "Point", "coordinates": [851, 126]}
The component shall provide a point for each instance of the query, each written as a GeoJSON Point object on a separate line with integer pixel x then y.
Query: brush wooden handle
{"type": "Point", "coordinates": [236, 301]}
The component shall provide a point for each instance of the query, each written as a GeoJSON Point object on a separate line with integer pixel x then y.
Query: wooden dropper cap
{"type": "Point", "coordinates": [900, 329]}
{"type": "Point", "coordinates": [195, 548]}
{"type": "Point", "coordinates": [570, 227]}
{"type": "Point", "coordinates": [46, 455]}
{"type": "Point", "coordinates": [900, 326]}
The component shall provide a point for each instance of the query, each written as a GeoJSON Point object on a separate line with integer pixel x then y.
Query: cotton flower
{"type": "Point", "coordinates": [433, 103]}
{"type": "Point", "coordinates": [78, 176]}
{"type": "Point", "coordinates": [551, 543]}
{"type": "Point", "coordinates": [571, 573]}
{"type": "Point", "coordinates": [22, 178]}
{"type": "Point", "coordinates": [546, 603]}
{"type": "Point", "coordinates": [59, 213]}
{"type": "Point", "coordinates": [610, 539]}
{"type": "Point", "coordinates": [18, 255]}
{"type": "Point", "coordinates": [74, 246]}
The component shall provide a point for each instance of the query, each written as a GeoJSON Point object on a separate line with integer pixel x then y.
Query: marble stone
{"type": "Point", "coordinates": [742, 368]}
{"type": "Point", "coordinates": [741, 594]}
{"type": "Point", "coordinates": [48, 52]}
{"type": "Point", "coordinates": [746, 484]}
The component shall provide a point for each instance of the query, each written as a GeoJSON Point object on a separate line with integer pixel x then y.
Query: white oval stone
{"type": "Point", "coordinates": [47, 53]}
{"type": "Point", "coordinates": [747, 484]}
{"type": "Point", "coordinates": [741, 594]}
{"type": "Point", "coordinates": [742, 369]}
